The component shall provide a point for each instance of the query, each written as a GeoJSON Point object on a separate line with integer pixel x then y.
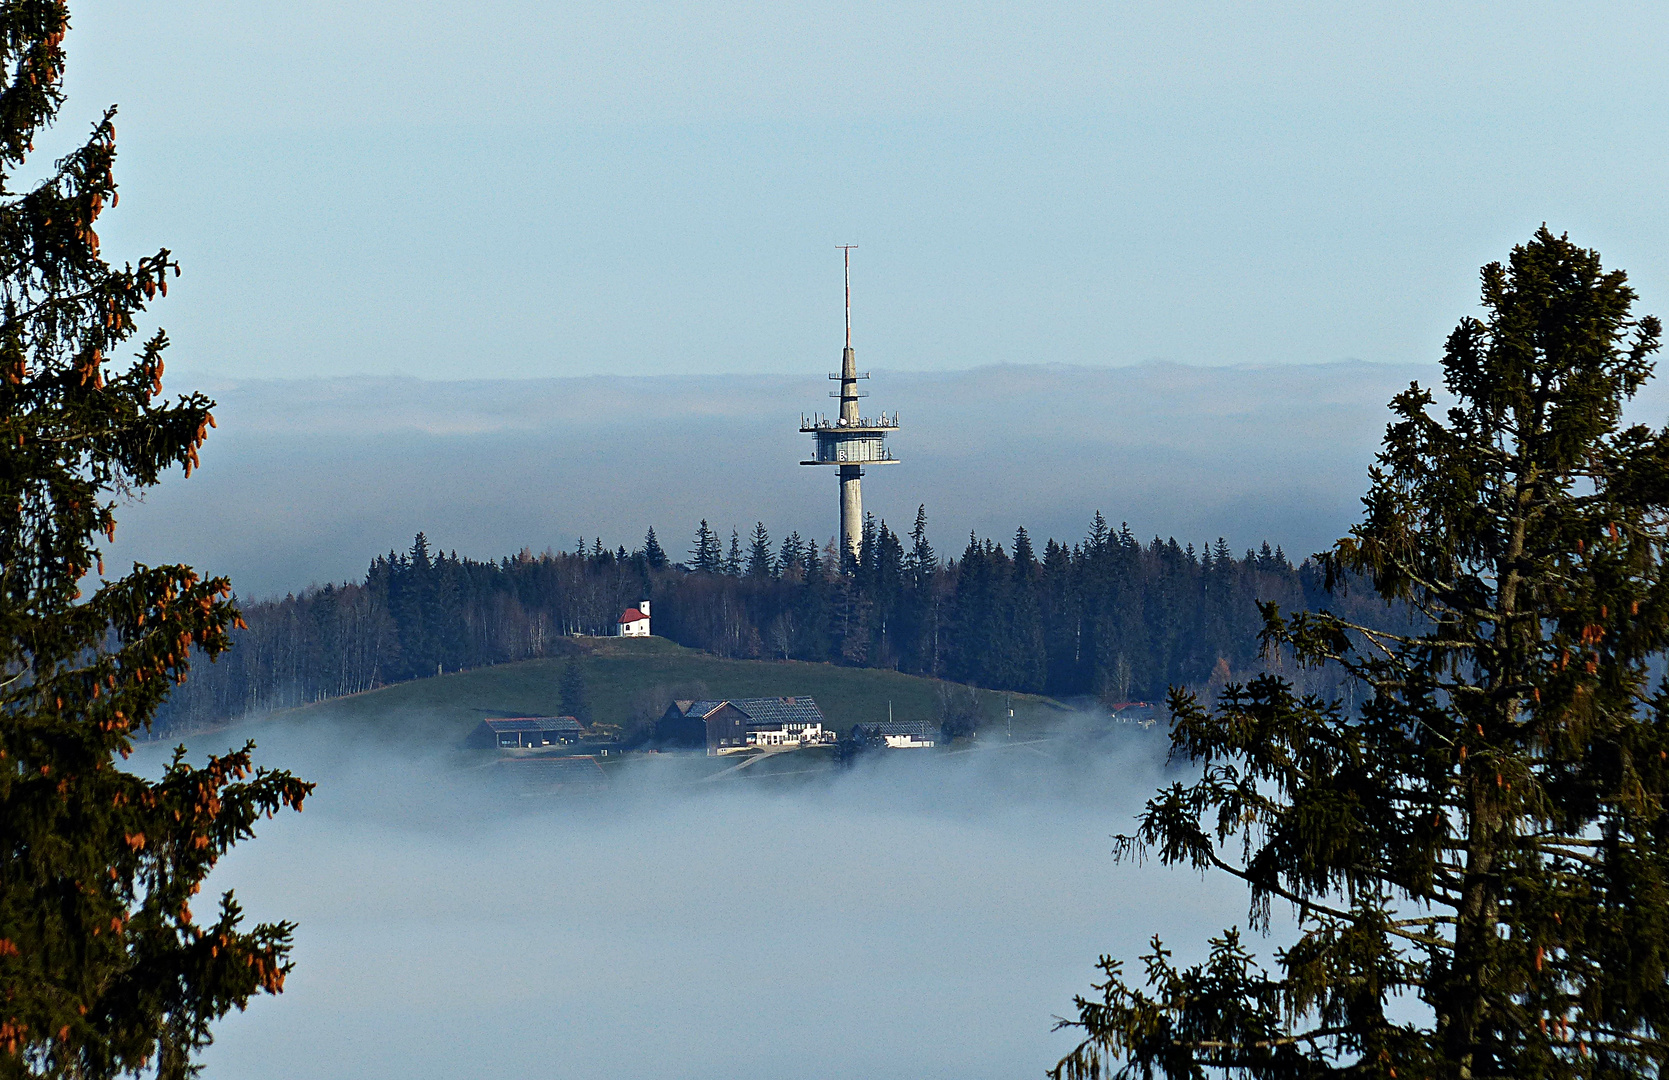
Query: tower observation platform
{"type": "Point", "coordinates": [850, 440]}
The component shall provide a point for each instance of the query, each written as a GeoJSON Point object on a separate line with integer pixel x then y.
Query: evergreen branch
{"type": "Point", "coordinates": [1625, 1036]}
{"type": "Point", "coordinates": [1259, 1044]}
{"type": "Point", "coordinates": [1375, 635]}
{"type": "Point", "coordinates": [1307, 905]}
{"type": "Point", "coordinates": [1427, 920]}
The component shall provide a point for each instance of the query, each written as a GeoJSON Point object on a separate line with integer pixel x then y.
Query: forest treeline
{"type": "Point", "coordinates": [1108, 616]}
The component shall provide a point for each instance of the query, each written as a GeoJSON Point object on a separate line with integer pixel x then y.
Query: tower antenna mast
{"type": "Point", "coordinates": [846, 253]}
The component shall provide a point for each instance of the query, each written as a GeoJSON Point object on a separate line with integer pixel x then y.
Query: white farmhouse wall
{"type": "Point", "coordinates": [788, 735]}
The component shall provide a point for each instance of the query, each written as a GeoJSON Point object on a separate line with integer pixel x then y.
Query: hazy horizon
{"type": "Point", "coordinates": [306, 480]}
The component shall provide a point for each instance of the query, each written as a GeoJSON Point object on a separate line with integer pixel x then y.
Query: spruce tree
{"type": "Point", "coordinates": [1025, 559]}
{"type": "Point", "coordinates": [760, 565]}
{"type": "Point", "coordinates": [864, 561]}
{"type": "Point", "coordinates": [922, 560]}
{"type": "Point", "coordinates": [1099, 535]}
{"type": "Point", "coordinates": [104, 967]}
{"type": "Point", "coordinates": [653, 555]}
{"type": "Point", "coordinates": [572, 688]}
{"type": "Point", "coordinates": [813, 603]}
{"type": "Point", "coordinates": [790, 560]}
{"type": "Point", "coordinates": [706, 557]}
{"type": "Point", "coordinates": [733, 559]}
{"type": "Point", "coordinates": [1061, 619]}
{"type": "Point", "coordinates": [1485, 834]}
{"type": "Point", "coordinates": [1025, 663]}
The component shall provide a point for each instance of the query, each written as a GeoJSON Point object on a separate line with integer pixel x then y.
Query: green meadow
{"type": "Point", "coordinates": [627, 677]}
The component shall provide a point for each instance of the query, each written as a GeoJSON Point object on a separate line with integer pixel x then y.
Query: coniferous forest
{"type": "Point", "coordinates": [1108, 616]}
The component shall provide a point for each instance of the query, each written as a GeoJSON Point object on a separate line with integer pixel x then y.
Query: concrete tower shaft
{"type": "Point", "coordinates": [851, 509]}
{"type": "Point", "coordinates": [852, 440]}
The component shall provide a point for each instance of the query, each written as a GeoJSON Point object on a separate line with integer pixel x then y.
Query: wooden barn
{"type": "Point", "coordinates": [717, 726]}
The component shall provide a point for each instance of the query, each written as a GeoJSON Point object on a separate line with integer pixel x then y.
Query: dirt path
{"type": "Point", "coordinates": [740, 765]}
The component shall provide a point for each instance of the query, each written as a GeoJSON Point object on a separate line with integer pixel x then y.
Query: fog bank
{"type": "Point", "coordinates": [924, 915]}
{"type": "Point", "coordinates": [305, 480]}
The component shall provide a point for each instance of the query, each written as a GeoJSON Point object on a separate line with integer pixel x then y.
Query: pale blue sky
{"type": "Point", "coordinates": [518, 189]}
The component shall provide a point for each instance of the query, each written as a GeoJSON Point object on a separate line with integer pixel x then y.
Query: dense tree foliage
{"type": "Point", "coordinates": [104, 969]}
{"type": "Point", "coordinates": [1108, 616]}
{"type": "Point", "coordinates": [575, 702]}
{"type": "Point", "coordinates": [1485, 835]}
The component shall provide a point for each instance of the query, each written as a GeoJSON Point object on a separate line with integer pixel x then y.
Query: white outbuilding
{"type": "Point", "coordinates": [634, 621]}
{"type": "Point", "coordinates": [902, 734]}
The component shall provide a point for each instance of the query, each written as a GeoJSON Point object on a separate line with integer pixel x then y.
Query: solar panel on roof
{"type": "Point", "coordinates": [794, 710]}
{"type": "Point", "coordinates": [899, 727]}
{"type": "Point", "coordinates": [534, 723]}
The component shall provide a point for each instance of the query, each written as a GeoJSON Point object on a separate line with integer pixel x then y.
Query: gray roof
{"type": "Point", "coordinates": [534, 723]}
{"type": "Point", "coordinates": [780, 710]}
{"type": "Point", "coordinates": [764, 710]}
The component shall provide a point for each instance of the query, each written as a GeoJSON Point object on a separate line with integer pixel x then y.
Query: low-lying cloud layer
{"type": "Point", "coordinates": [924, 915]}
{"type": "Point", "coordinates": [305, 481]}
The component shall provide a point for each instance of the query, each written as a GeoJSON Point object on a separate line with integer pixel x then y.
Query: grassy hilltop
{"type": "Point", "coordinates": [623, 675]}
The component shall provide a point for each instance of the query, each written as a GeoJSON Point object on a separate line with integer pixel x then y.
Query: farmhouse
{"type": "Point", "coordinates": [522, 731]}
{"type": "Point", "coordinates": [726, 726]}
{"type": "Point", "coordinates": [789, 721]}
{"type": "Point", "coordinates": [634, 621]}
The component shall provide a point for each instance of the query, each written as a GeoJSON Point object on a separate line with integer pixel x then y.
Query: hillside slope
{"type": "Point", "coordinates": [634, 676]}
